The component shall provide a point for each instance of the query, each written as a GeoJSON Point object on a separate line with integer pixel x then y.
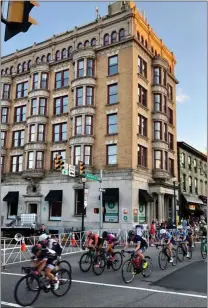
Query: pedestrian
{"type": "Point", "coordinates": [184, 224]}
{"type": "Point", "coordinates": [42, 230]}
{"type": "Point", "coordinates": [152, 233]}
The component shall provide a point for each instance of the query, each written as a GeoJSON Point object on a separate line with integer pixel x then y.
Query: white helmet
{"type": "Point", "coordinates": [43, 237]}
{"type": "Point", "coordinates": [180, 227]}
{"type": "Point", "coordinates": [188, 228]}
{"type": "Point", "coordinates": [162, 231]}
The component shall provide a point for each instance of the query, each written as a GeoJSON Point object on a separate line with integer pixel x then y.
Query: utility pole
{"type": "Point", "coordinates": [83, 208]}
{"type": "Point", "coordinates": [101, 200]}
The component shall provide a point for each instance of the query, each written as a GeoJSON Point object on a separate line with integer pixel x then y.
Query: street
{"type": "Point", "coordinates": [184, 285]}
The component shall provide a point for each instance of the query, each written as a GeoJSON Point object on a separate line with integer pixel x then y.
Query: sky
{"type": "Point", "coordinates": [182, 27]}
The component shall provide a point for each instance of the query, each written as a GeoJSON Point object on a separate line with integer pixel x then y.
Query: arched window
{"type": "Point", "coordinates": [152, 49]}
{"type": "Point", "coordinates": [145, 43]}
{"type": "Point", "coordinates": [93, 42]}
{"type": "Point", "coordinates": [138, 35]}
{"type": "Point", "coordinates": [37, 60]}
{"type": "Point", "coordinates": [70, 50]}
{"type": "Point", "coordinates": [86, 44]}
{"type": "Point", "coordinates": [64, 55]}
{"type": "Point", "coordinates": [170, 69]}
{"type": "Point", "coordinates": [113, 37]}
{"type": "Point", "coordinates": [11, 70]}
{"type": "Point", "coordinates": [155, 53]}
{"type": "Point", "coordinates": [43, 58]}
{"type": "Point", "coordinates": [2, 72]}
{"type": "Point", "coordinates": [142, 39]}
{"type": "Point", "coordinates": [79, 45]}
{"type": "Point", "coordinates": [7, 71]}
{"type": "Point", "coordinates": [58, 55]}
{"type": "Point", "coordinates": [121, 34]}
{"type": "Point", "coordinates": [106, 39]}
{"type": "Point", "coordinates": [19, 68]}
{"type": "Point", "coordinates": [29, 64]}
{"type": "Point", "coordinates": [49, 58]}
{"type": "Point", "coordinates": [24, 66]}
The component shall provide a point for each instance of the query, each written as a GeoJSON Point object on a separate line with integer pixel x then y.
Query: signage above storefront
{"type": "Point", "coordinates": [192, 207]}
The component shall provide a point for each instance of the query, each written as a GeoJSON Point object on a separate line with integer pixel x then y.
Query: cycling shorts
{"type": "Point", "coordinates": [143, 248]}
{"type": "Point", "coordinates": [114, 243]}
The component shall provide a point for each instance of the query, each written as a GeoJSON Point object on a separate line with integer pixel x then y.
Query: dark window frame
{"type": "Point", "coordinates": [142, 130]}
{"type": "Point", "coordinates": [109, 125]}
{"type": "Point", "coordinates": [90, 156]}
{"type": "Point", "coordinates": [112, 66]}
{"type": "Point", "coordinates": [107, 153]}
{"type": "Point", "coordinates": [142, 156]}
{"type": "Point", "coordinates": [21, 113]}
{"type": "Point", "coordinates": [62, 79]}
{"type": "Point", "coordinates": [18, 164]}
{"type": "Point", "coordinates": [19, 142]}
{"type": "Point", "coordinates": [61, 98]}
{"type": "Point", "coordinates": [91, 125]}
{"type": "Point", "coordinates": [60, 132]}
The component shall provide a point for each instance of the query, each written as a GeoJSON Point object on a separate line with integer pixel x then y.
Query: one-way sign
{"type": "Point", "coordinates": [101, 190]}
{"type": "Point", "coordinates": [72, 170]}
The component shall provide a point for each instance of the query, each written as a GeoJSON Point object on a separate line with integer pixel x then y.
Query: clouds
{"type": "Point", "coordinates": [181, 97]}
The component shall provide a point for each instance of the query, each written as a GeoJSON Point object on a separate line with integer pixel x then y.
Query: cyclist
{"type": "Point", "coordinates": [168, 239]}
{"type": "Point", "coordinates": [112, 242]}
{"type": "Point", "coordinates": [141, 246]}
{"type": "Point", "coordinates": [189, 240]}
{"type": "Point", "coordinates": [44, 260]}
{"type": "Point", "coordinates": [50, 243]}
{"type": "Point", "coordinates": [94, 240]}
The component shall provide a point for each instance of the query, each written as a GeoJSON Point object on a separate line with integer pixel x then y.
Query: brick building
{"type": "Point", "coordinates": [104, 93]}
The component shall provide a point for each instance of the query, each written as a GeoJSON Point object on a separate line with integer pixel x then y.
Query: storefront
{"type": "Point", "coordinates": [144, 198]}
{"type": "Point", "coordinates": [111, 205]}
{"type": "Point", "coordinates": [191, 206]}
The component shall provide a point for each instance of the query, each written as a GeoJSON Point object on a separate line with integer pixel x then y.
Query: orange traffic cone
{"type": "Point", "coordinates": [73, 240]}
{"type": "Point", "coordinates": [23, 246]}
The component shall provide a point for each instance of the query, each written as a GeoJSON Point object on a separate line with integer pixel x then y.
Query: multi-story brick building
{"type": "Point", "coordinates": [104, 93]}
{"type": "Point", "coordinates": [192, 174]}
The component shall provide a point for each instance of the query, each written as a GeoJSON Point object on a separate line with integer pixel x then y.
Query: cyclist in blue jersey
{"type": "Point", "coordinates": [189, 241]}
{"type": "Point", "coordinates": [168, 239]}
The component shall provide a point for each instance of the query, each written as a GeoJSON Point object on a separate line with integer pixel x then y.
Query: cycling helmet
{"type": "Point", "coordinates": [89, 233]}
{"type": "Point", "coordinates": [36, 248]}
{"type": "Point", "coordinates": [162, 231]}
{"type": "Point", "coordinates": [43, 237]}
{"type": "Point", "coordinates": [188, 228]}
{"type": "Point", "coordinates": [139, 226]}
{"type": "Point", "coordinates": [180, 227]}
{"type": "Point", "coordinates": [105, 234]}
{"type": "Point", "coordinates": [131, 233]}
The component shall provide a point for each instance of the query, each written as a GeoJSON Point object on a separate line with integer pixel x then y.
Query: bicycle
{"type": "Point", "coordinates": [42, 283]}
{"type": "Point", "coordinates": [182, 251]}
{"type": "Point", "coordinates": [103, 260]}
{"type": "Point", "coordinates": [164, 256]}
{"type": "Point", "coordinates": [64, 264]}
{"type": "Point", "coordinates": [87, 258]}
{"type": "Point", "coordinates": [203, 248]}
{"type": "Point", "coordinates": [135, 266]}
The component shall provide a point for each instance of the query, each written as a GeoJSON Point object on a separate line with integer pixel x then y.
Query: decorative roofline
{"type": "Point", "coordinates": [185, 146]}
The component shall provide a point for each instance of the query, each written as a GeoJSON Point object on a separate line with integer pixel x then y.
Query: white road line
{"type": "Point", "coordinates": [10, 304]}
{"type": "Point", "coordinates": [127, 287]}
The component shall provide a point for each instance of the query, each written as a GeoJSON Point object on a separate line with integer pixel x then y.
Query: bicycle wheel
{"type": "Point", "coordinates": [203, 250]}
{"type": "Point", "coordinates": [85, 260]}
{"type": "Point", "coordinates": [29, 282]}
{"type": "Point", "coordinates": [19, 295]}
{"type": "Point", "coordinates": [62, 282]}
{"type": "Point", "coordinates": [65, 264]}
{"type": "Point", "coordinates": [117, 262]}
{"type": "Point", "coordinates": [174, 256]}
{"type": "Point", "coordinates": [180, 254]}
{"type": "Point", "coordinates": [162, 260]}
{"type": "Point", "coordinates": [128, 271]}
{"type": "Point", "coordinates": [99, 264]}
{"type": "Point", "coordinates": [146, 272]}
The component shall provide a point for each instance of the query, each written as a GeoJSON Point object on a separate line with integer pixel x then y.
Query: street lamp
{"type": "Point", "coordinates": [83, 209]}
{"type": "Point", "coordinates": [174, 190]}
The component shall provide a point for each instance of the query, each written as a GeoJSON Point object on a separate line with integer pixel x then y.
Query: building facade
{"type": "Point", "coordinates": [192, 171]}
{"type": "Point", "coordinates": [103, 93]}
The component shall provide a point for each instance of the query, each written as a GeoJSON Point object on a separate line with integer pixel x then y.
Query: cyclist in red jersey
{"type": "Point", "coordinates": [93, 240]}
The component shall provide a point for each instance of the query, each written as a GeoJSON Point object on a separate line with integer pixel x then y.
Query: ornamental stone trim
{"type": "Point", "coordinates": [81, 140]}
{"type": "Point", "coordinates": [3, 151]}
{"type": "Point", "coordinates": [84, 53]}
{"type": "Point", "coordinates": [5, 103]}
{"type": "Point", "coordinates": [161, 174]}
{"type": "Point", "coordinates": [160, 62]}
{"type": "Point", "coordinates": [4, 127]}
{"type": "Point", "coordinates": [83, 110]}
{"type": "Point", "coordinates": [18, 127]}
{"type": "Point", "coordinates": [38, 92]}
{"type": "Point", "coordinates": [22, 78]}
{"type": "Point", "coordinates": [61, 92]}
{"type": "Point", "coordinates": [59, 119]}
{"type": "Point", "coordinates": [35, 146]}
{"type": "Point", "coordinates": [84, 81]}
{"type": "Point", "coordinates": [112, 81]}
{"type": "Point", "coordinates": [16, 152]}
{"type": "Point", "coordinates": [60, 66]}
{"type": "Point", "coordinates": [21, 102]}
{"type": "Point", "coordinates": [112, 111]}
{"type": "Point", "coordinates": [42, 67]}
{"type": "Point", "coordinates": [160, 89]}
{"type": "Point", "coordinates": [37, 119]}
{"type": "Point", "coordinates": [111, 142]}
{"type": "Point", "coordinates": [58, 147]}
{"type": "Point", "coordinates": [159, 116]}
{"type": "Point", "coordinates": [6, 79]}
{"type": "Point", "coordinates": [158, 145]}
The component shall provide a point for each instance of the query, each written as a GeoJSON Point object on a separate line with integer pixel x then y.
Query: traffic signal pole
{"type": "Point", "coordinates": [83, 208]}
{"type": "Point", "coordinates": [101, 200]}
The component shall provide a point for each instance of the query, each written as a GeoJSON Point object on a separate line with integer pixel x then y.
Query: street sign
{"type": "Point", "coordinates": [65, 171]}
{"type": "Point", "coordinates": [91, 177]}
{"type": "Point", "coordinates": [101, 189]}
{"type": "Point", "coordinates": [72, 170]}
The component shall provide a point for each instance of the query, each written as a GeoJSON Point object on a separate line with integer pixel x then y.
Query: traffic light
{"type": "Point", "coordinates": [96, 210]}
{"type": "Point", "coordinates": [59, 164]}
{"type": "Point", "coordinates": [81, 169]}
{"type": "Point", "coordinates": [18, 19]}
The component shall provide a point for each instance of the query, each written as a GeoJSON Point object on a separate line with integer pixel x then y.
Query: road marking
{"type": "Point", "coordinates": [10, 304]}
{"type": "Point", "coordinates": [127, 287]}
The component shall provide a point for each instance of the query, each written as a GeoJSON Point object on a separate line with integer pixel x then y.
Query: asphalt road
{"type": "Point", "coordinates": [184, 285]}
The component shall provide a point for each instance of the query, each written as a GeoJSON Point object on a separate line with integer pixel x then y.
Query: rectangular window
{"type": "Point", "coordinates": [88, 125]}
{"type": "Point", "coordinates": [41, 133]}
{"type": "Point", "coordinates": [157, 103]}
{"type": "Point", "coordinates": [170, 141]}
{"type": "Point", "coordinates": [77, 155]}
{"type": "Point", "coordinates": [39, 159]}
{"type": "Point", "coordinates": [3, 138]}
{"type": "Point", "coordinates": [60, 132]}
{"type": "Point", "coordinates": [170, 92]}
{"type": "Point", "coordinates": [89, 96]}
{"type": "Point", "coordinates": [34, 106]}
{"type": "Point", "coordinates": [32, 131]}
{"type": "Point", "coordinates": [165, 104]}
{"type": "Point", "coordinates": [157, 75]}
{"type": "Point", "coordinates": [53, 156]}
{"type": "Point", "coordinates": [166, 161]}
{"type": "Point", "coordinates": [113, 65]}
{"type": "Point", "coordinates": [142, 67]}
{"type": "Point", "coordinates": [6, 91]}
{"type": "Point", "coordinates": [79, 96]}
{"type": "Point", "coordinates": [90, 67]}
{"type": "Point", "coordinates": [4, 114]}
{"type": "Point", "coordinates": [2, 164]}
{"type": "Point", "coordinates": [182, 160]}
{"type": "Point", "coordinates": [62, 79]}
{"type": "Point", "coordinates": [55, 209]}
{"type": "Point", "coordinates": [170, 116]}
{"type": "Point", "coordinates": [165, 132]}
{"type": "Point", "coordinates": [12, 209]}
{"type": "Point", "coordinates": [112, 124]}
{"type": "Point", "coordinates": [112, 154]}
{"type": "Point", "coordinates": [21, 90]}
{"type": "Point", "coordinates": [78, 125]}
{"type": "Point", "coordinates": [184, 182]}
{"type": "Point", "coordinates": [30, 160]}
{"type": "Point", "coordinates": [44, 81]}
{"type": "Point", "coordinates": [189, 162]}
{"type": "Point", "coordinates": [158, 163]}
{"type": "Point", "coordinates": [157, 130]}
{"type": "Point", "coordinates": [35, 81]}
{"type": "Point", "coordinates": [42, 106]}
{"type": "Point", "coordinates": [20, 114]}
{"type": "Point", "coordinates": [196, 186]}
{"type": "Point", "coordinates": [195, 166]}
{"type": "Point", "coordinates": [16, 163]}
{"type": "Point", "coordinates": [87, 155]}
{"type": "Point", "coordinates": [190, 184]}
{"type": "Point", "coordinates": [171, 166]}
{"type": "Point", "coordinates": [201, 187]}
{"type": "Point", "coordinates": [80, 68]}
{"type": "Point", "coordinates": [60, 105]}
{"type": "Point", "coordinates": [142, 156]}
{"type": "Point", "coordinates": [113, 94]}
{"type": "Point", "coordinates": [18, 138]}
{"type": "Point", "coordinates": [142, 125]}
{"type": "Point", "coordinates": [79, 202]}
{"type": "Point", "coordinates": [142, 95]}
{"type": "Point", "coordinates": [164, 78]}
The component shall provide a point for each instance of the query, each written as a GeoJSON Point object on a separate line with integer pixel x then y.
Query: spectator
{"type": "Point", "coordinates": [184, 224]}
{"type": "Point", "coordinates": [152, 233]}
{"type": "Point", "coordinates": [42, 230]}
